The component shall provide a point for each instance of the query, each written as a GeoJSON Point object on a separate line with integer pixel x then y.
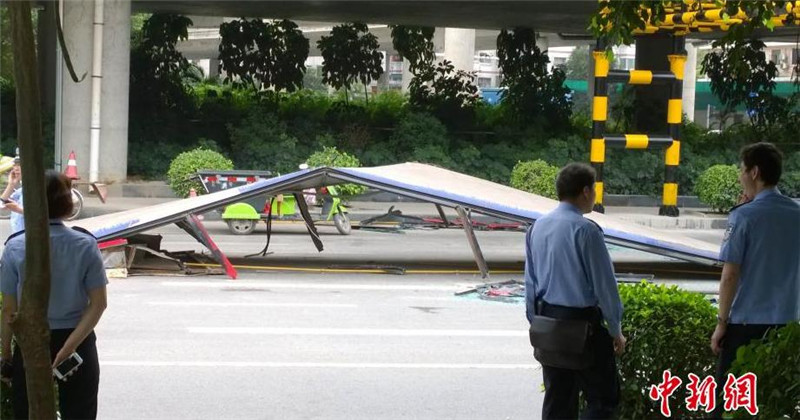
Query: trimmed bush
{"type": "Point", "coordinates": [776, 363]}
{"type": "Point", "coordinates": [666, 328]}
{"type": "Point", "coordinates": [718, 186]}
{"type": "Point", "coordinates": [187, 163]}
{"type": "Point", "coordinates": [330, 156]}
{"type": "Point", "coordinates": [535, 176]}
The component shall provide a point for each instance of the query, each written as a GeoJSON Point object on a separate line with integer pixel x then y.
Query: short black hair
{"type": "Point", "coordinates": [768, 159]}
{"type": "Point", "coordinates": [573, 178]}
{"type": "Point", "coordinates": [59, 194]}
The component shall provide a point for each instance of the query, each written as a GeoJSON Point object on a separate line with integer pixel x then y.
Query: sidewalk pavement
{"type": "Point", "coordinates": [646, 216]}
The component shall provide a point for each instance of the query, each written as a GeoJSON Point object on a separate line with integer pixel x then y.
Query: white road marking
{"type": "Point", "coordinates": [239, 284]}
{"type": "Point", "coordinates": [358, 332]}
{"type": "Point", "coordinates": [256, 304]}
{"type": "Point", "coordinates": [152, 363]}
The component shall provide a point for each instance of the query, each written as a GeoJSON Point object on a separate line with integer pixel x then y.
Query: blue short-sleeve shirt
{"type": "Point", "coordinates": [567, 263]}
{"type": "Point", "coordinates": [763, 238]}
{"type": "Point", "coordinates": [76, 267]}
{"type": "Point", "coordinates": [17, 220]}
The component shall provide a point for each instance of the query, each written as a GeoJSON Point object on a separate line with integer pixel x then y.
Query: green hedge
{"type": "Point", "coordinates": [188, 163]}
{"type": "Point", "coordinates": [776, 363]}
{"type": "Point", "coordinates": [330, 156]}
{"type": "Point", "coordinates": [666, 328]}
{"type": "Point", "coordinates": [537, 177]}
{"type": "Point", "coordinates": [719, 187]}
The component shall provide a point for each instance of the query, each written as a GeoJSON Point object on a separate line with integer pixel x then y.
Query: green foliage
{"type": "Point", "coordinates": [577, 65]}
{"type": "Point", "coordinates": [261, 142]}
{"type": "Point", "coordinates": [157, 67]}
{"type": "Point", "coordinates": [776, 364]}
{"type": "Point", "coordinates": [666, 328]}
{"type": "Point", "coordinates": [448, 94]}
{"type": "Point", "coordinates": [6, 53]}
{"type": "Point", "coordinates": [273, 54]}
{"type": "Point", "coordinates": [719, 187]}
{"type": "Point", "coordinates": [537, 177]}
{"type": "Point", "coordinates": [415, 44]}
{"type": "Point", "coordinates": [790, 184]}
{"type": "Point", "coordinates": [739, 68]}
{"type": "Point", "coordinates": [532, 91]}
{"type": "Point", "coordinates": [330, 156]}
{"type": "Point", "coordinates": [350, 54]}
{"type": "Point", "coordinates": [615, 20]}
{"type": "Point", "coordinates": [421, 138]}
{"type": "Point", "coordinates": [186, 164]}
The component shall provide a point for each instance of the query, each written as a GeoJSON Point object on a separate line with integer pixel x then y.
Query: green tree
{"type": "Point", "coordinates": [577, 65]}
{"type": "Point", "coordinates": [740, 74]}
{"type": "Point", "coordinates": [449, 94]}
{"type": "Point", "coordinates": [532, 91]}
{"type": "Point", "coordinates": [29, 325]}
{"type": "Point", "coordinates": [157, 67]}
{"type": "Point", "coordinates": [350, 54]}
{"type": "Point", "coordinates": [415, 44]}
{"type": "Point", "coordinates": [272, 54]}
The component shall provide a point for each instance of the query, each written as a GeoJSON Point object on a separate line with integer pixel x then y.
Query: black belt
{"type": "Point", "coordinates": [590, 313]}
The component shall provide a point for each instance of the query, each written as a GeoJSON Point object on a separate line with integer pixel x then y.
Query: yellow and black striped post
{"type": "Point", "coordinates": [677, 61]}
{"type": "Point", "coordinates": [599, 116]}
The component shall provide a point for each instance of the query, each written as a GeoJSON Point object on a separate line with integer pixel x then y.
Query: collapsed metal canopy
{"type": "Point", "coordinates": [416, 180]}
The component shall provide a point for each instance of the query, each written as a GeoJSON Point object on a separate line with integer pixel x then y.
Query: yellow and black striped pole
{"type": "Point", "coordinates": [677, 61]}
{"type": "Point", "coordinates": [599, 116]}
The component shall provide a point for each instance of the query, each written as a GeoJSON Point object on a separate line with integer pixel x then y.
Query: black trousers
{"type": "Point", "coordinates": [599, 383]}
{"type": "Point", "coordinates": [737, 335]}
{"type": "Point", "coordinates": [77, 396]}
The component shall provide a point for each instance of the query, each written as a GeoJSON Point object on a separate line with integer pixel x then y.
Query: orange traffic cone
{"type": "Point", "coordinates": [72, 167]}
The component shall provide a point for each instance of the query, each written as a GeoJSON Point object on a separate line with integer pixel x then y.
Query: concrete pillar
{"type": "Point", "coordinates": [213, 67]}
{"type": "Point", "coordinates": [651, 101]}
{"type": "Point", "coordinates": [46, 55]}
{"type": "Point", "coordinates": [459, 48]}
{"type": "Point", "coordinates": [690, 81]}
{"type": "Point", "coordinates": [407, 76]}
{"type": "Point", "coordinates": [116, 80]}
{"type": "Point", "coordinates": [75, 98]}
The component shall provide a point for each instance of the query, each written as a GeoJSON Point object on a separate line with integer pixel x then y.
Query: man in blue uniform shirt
{"type": "Point", "coordinates": [760, 284]}
{"type": "Point", "coordinates": [568, 273]}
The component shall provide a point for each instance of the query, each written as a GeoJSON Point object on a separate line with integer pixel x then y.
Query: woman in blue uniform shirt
{"type": "Point", "coordinates": [77, 301]}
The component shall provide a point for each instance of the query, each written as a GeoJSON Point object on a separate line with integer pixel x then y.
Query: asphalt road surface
{"type": "Point", "coordinates": [294, 345]}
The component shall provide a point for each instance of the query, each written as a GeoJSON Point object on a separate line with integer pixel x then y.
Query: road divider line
{"type": "Point", "coordinates": [256, 304]}
{"type": "Point", "coordinates": [358, 332]}
{"type": "Point", "coordinates": [240, 284]}
{"type": "Point", "coordinates": [324, 365]}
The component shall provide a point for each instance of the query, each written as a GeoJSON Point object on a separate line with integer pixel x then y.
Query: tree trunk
{"type": "Point", "coordinates": [30, 326]}
{"type": "Point", "coordinates": [366, 95]}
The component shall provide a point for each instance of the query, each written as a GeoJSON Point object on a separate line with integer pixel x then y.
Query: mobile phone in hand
{"type": "Point", "coordinates": [68, 366]}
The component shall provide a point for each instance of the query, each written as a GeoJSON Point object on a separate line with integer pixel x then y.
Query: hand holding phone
{"type": "Point", "coordinates": [68, 366]}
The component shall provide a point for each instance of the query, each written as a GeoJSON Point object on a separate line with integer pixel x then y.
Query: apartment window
{"type": "Point", "coordinates": [484, 82]}
{"type": "Point", "coordinates": [559, 61]}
